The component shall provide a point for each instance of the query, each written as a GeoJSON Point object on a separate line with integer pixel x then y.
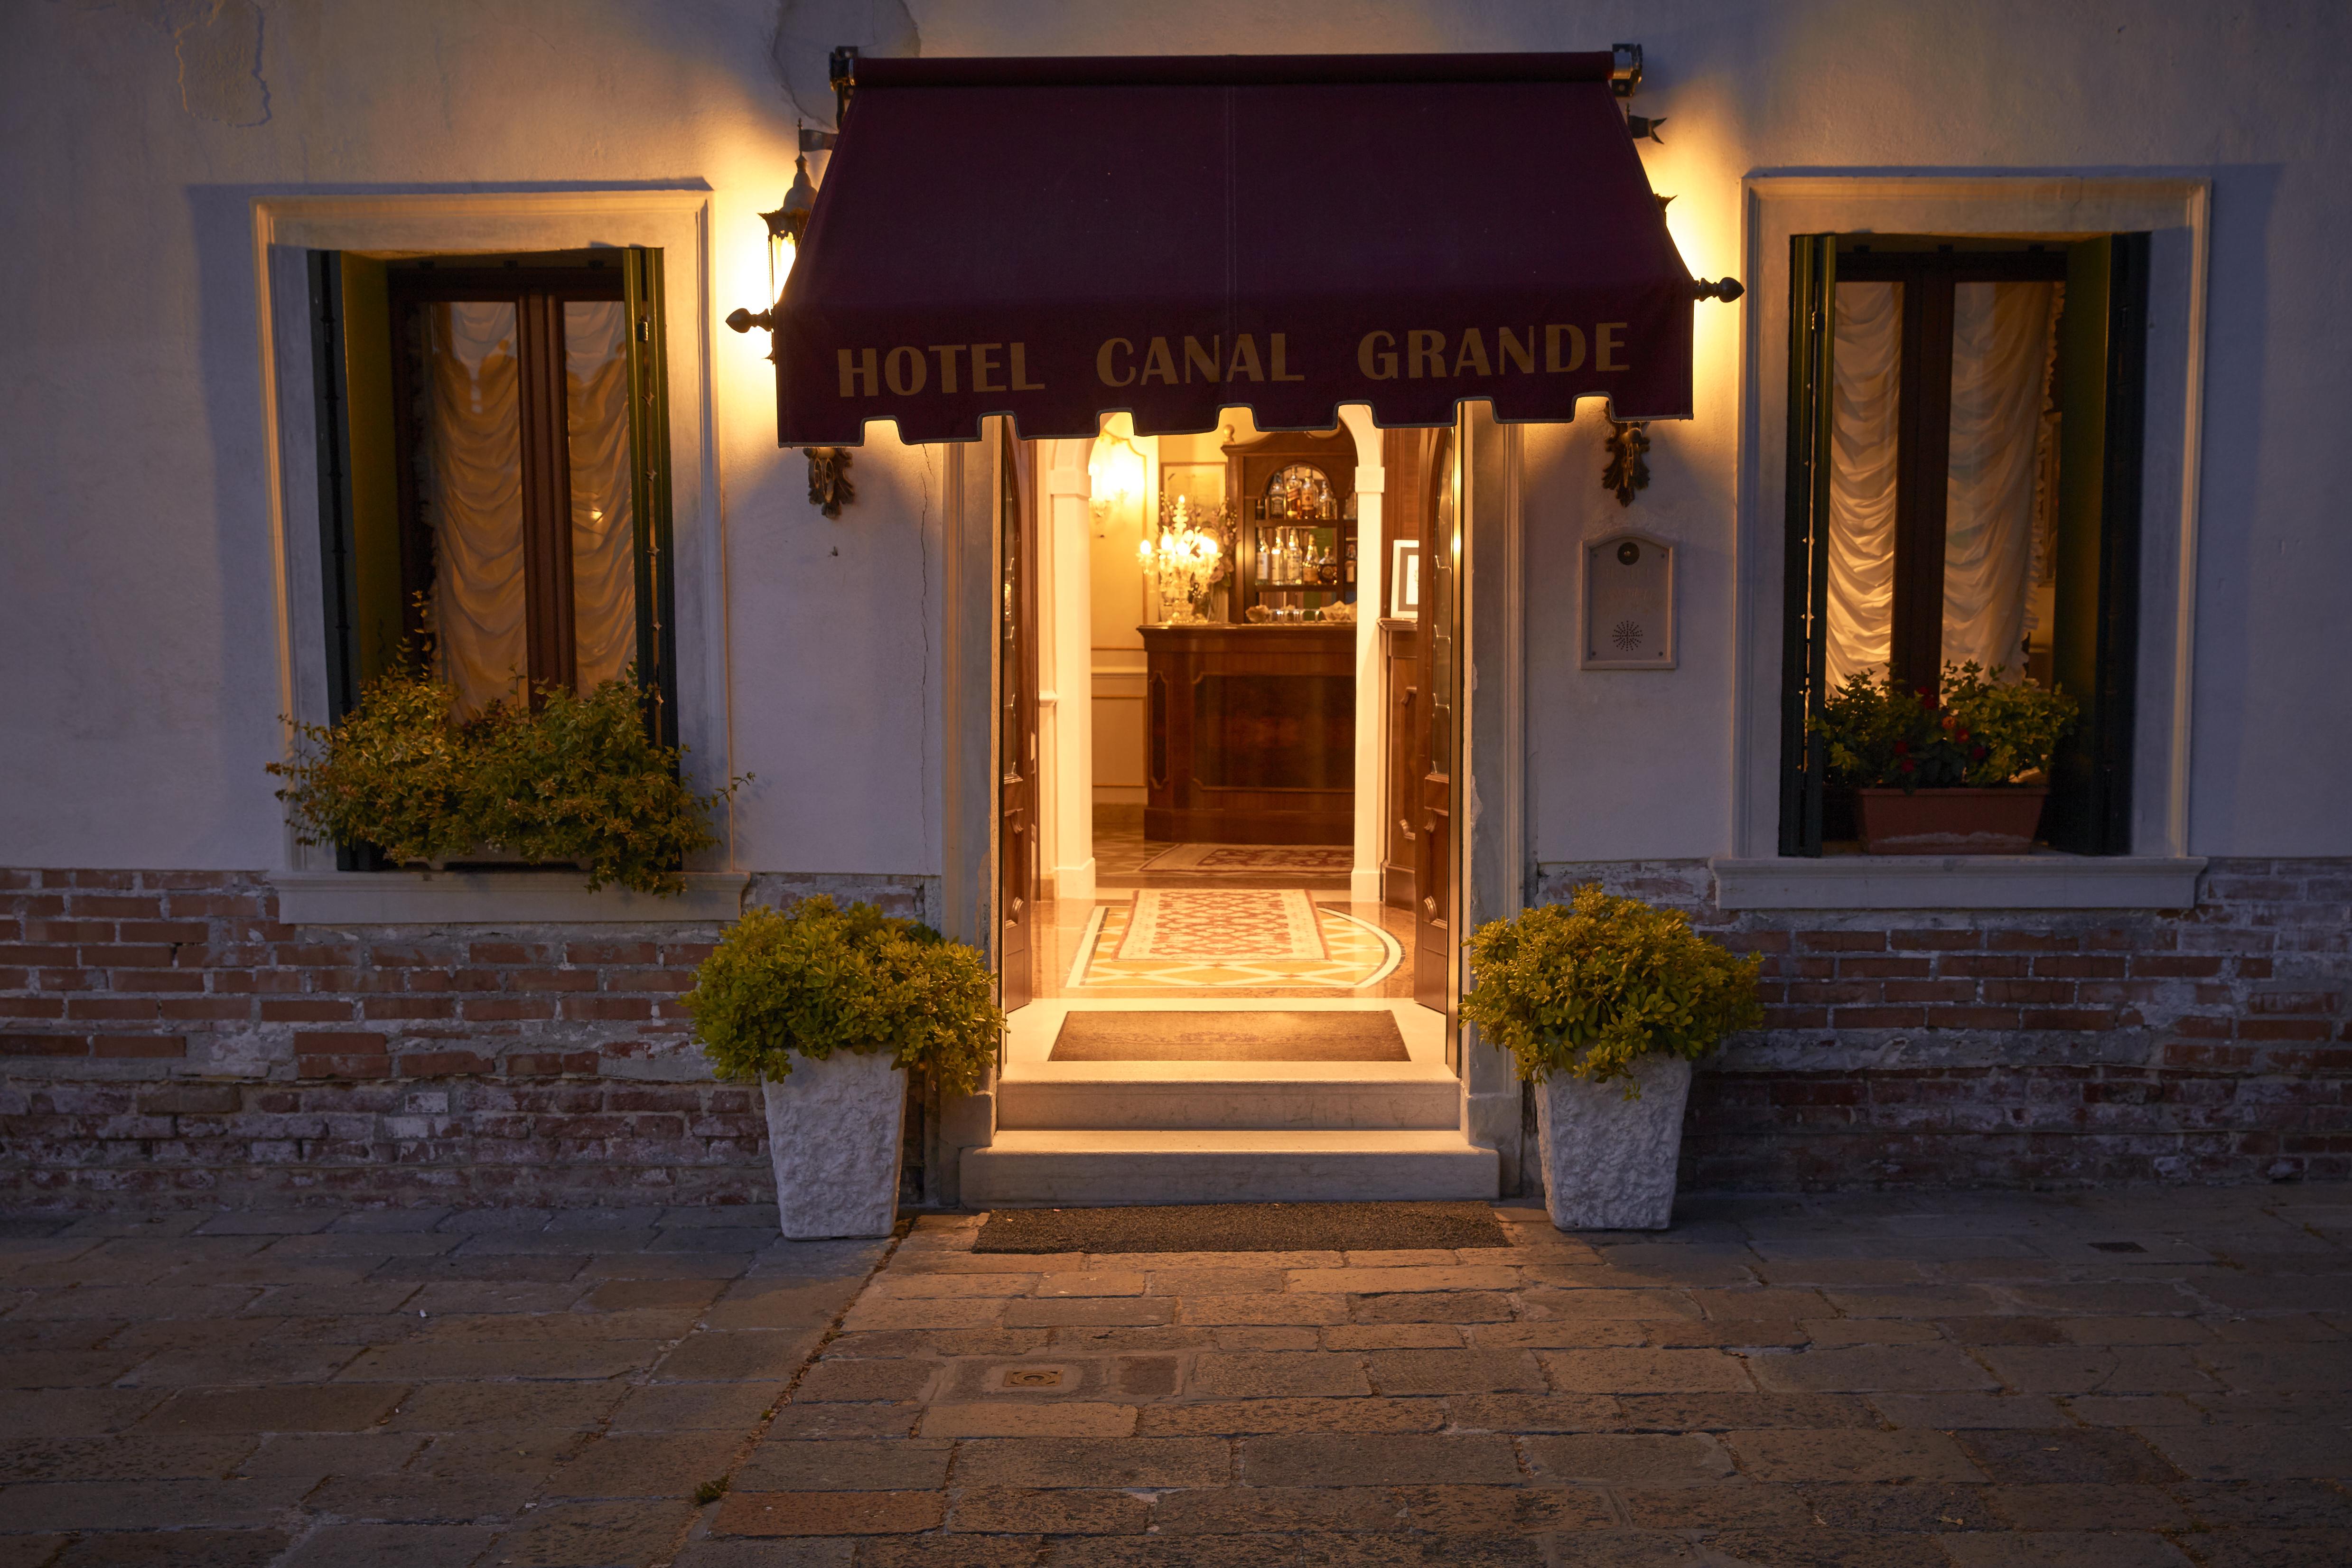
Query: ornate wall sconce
{"type": "Point", "coordinates": [829, 486]}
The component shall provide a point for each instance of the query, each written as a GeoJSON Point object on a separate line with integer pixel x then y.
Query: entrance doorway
{"type": "Point", "coordinates": [1228, 937]}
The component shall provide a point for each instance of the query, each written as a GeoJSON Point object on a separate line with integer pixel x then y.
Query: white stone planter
{"type": "Point", "coordinates": [833, 1135]}
{"type": "Point", "coordinates": [1609, 1162]}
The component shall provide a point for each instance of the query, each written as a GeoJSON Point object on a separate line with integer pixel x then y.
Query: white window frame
{"type": "Point", "coordinates": [2159, 872]}
{"type": "Point", "coordinates": [678, 223]}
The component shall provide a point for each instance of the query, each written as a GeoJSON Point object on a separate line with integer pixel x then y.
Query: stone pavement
{"type": "Point", "coordinates": [342, 1389]}
{"type": "Point", "coordinates": [2090, 1380]}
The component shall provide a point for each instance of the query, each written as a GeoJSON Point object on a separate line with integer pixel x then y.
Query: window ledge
{"type": "Point", "coordinates": [494, 898]}
{"type": "Point", "coordinates": [1958, 882]}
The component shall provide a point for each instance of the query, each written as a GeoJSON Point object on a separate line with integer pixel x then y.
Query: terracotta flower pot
{"type": "Point", "coordinates": [1998, 821]}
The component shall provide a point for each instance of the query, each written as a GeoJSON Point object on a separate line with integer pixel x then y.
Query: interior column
{"type": "Point", "coordinates": [1371, 705]}
{"type": "Point", "coordinates": [1066, 740]}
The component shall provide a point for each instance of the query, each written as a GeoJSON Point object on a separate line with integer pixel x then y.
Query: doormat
{"type": "Point", "coordinates": [1244, 1227]}
{"type": "Point", "coordinates": [1222, 1036]}
{"type": "Point", "coordinates": [1308, 859]}
{"type": "Point", "coordinates": [1209, 925]}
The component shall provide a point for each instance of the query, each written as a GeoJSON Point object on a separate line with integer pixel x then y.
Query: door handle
{"type": "Point", "coordinates": [1404, 825]}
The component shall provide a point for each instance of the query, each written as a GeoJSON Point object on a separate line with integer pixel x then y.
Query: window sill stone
{"type": "Point", "coordinates": [2047, 881]}
{"type": "Point", "coordinates": [495, 898]}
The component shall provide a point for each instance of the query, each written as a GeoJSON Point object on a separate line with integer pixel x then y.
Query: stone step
{"type": "Point", "coordinates": [1237, 1096]}
{"type": "Point", "coordinates": [1030, 1167]}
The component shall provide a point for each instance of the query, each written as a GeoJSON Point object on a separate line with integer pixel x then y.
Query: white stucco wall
{"type": "Point", "coordinates": [139, 676]}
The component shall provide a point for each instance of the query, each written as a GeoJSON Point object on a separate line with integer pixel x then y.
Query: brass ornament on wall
{"type": "Point", "coordinates": [829, 486]}
{"type": "Point", "coordinates": [1628, 464]}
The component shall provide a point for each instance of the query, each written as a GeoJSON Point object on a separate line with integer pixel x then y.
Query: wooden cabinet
{"type": "Point", "coordinates": [1400, 673]}
{"type": "Point", "coordinates": [1250, 733]}
{"type": "Point", "coordinates": [1255, 472]}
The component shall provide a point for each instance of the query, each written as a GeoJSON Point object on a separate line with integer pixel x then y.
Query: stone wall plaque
{"type": "Point", "coordinates": [1629, 602]}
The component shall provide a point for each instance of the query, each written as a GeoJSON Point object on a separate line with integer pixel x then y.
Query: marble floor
{"type": "Point", "coordinates": [1367, 956]}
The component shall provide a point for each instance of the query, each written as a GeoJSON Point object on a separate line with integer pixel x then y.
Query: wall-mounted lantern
{"type": "Point", "coordinates": [829, 486]}
{"type": "Point", "coordinates": [785, 226]}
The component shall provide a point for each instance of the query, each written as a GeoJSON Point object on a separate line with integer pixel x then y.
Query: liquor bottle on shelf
{"type": "Point", "coordinates": [1350, 568]}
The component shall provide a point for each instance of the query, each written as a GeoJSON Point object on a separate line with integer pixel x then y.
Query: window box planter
{"type": "Point", "coordinates": [1992, 821]}
{"type": "Point", "coordinates": [835, 1129]}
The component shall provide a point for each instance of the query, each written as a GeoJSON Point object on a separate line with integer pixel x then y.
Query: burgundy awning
{"type": "Point", "coordinates": [1056, 239]}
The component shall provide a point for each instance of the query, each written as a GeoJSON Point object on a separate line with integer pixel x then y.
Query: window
{"type": "Point", "coordinates": [1964, 428]}
{"type": "Point", "coordinates": [494, 481]}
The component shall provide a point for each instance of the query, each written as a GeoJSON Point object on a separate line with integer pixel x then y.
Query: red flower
{"type": "Point", "coordinates": [1902, 747]}
{"type": "Point", "coordinates": [1960, 734]}
{"type": "Point", "coordinates": [1907, 765]}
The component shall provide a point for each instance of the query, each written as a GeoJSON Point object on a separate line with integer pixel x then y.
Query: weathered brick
{"type": "Point", "coordinates": [12, 1043]}
{"type": "Point", "coordinates": [445, 1064]}
{"type": "Point", "coordinates": [122, 1047]}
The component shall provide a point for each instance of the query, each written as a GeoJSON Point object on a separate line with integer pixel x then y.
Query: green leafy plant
{"type": "Point", "coordinates": [574, 778]}
{"type": "Point", "coordinates": [1591, 987]}
{"type": "Point", "coordinates": [817, 979]}
{"type": "Point", "coordinates": [1979, 732]}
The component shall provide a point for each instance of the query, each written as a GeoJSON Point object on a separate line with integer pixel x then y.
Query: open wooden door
{"type": "Point", "coordinates": [1440, 532]}
{"type": "Point", "coordinates": [1016, 729]}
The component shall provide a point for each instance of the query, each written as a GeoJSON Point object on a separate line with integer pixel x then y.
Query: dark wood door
{"type": "Point", "coordinates": [1016, 729]}
{"type": "Point", "coordinates": [1401, 662]}
{"type": "Point", "coordinates": [1440, 532]}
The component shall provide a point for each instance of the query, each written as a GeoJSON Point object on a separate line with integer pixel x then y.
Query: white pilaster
{"type": "Point", "coordinates": [1371, 706]}
{"type": "Point", "coordinates": [1066, 729]}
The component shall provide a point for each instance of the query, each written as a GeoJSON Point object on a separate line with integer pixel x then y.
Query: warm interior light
{"type": "Point", "coordinates": [1115, 472]}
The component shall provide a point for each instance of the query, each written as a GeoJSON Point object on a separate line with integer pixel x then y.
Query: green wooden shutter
{"type": "Point", "coordinates": [649, 489]}
{"type": "Point", "coordinates": [2095, 645]}
{"type": "Point", "coordinates": [1804, 649]}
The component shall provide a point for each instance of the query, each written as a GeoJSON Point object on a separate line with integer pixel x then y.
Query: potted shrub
{"type": "Point", "coordinates": [1959, 771]}
{"type": "Point", "coordinates": [572, 781]}
{"type": "Point", "coordinates": [1604, 1003]}
{"type": "Point", "coordinates": [831, 1009]}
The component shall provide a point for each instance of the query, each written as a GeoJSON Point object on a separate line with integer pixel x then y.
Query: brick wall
{"type": "Point", "coordinates": [164, 1039]}
{"type": "Point", "coordinates": [2029, 1047]}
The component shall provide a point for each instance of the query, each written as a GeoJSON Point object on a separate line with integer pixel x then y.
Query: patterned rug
{"type": "Point", "coordinates": [1353, 954]}
{"type": "Point", "coordinates": [1260, 858]}
{"type": "Point", "coordinates": [1212, 925]}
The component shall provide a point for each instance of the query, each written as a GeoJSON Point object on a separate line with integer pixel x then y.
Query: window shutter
{"type": "Point", "coordinates": [338, 564]}
{"type": "Point", "coordinates": [2094, 646]}
{"type": "Point", "coordinates": [1812, 301]}
{"type": "Point", "coordinates": [650, 494]}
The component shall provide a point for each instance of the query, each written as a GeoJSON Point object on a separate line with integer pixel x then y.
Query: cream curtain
{"type": "Point", "coordinates": [472, 479]}
{"type": "Point", "coordinates": [2000, 353]}
{"type": "Point", "coordinates": [596, 421]}
{"type": "Point", "coordinates": [1868, 355]}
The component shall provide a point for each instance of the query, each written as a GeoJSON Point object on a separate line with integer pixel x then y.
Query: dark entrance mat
{"type": "Point", "coordinates": [1244, 1227]}
{"type": "Point", "coordinates": [1354, 1036]}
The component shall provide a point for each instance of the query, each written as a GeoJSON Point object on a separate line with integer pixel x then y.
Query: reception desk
{"type": "Point", "coordinates": [1250, 733]}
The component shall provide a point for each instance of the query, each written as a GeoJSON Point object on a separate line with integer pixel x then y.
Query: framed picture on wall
{"type": "Point", "coordinates": [1404, 579]}
{"type": "Point", "coordinates": [1201, 484]}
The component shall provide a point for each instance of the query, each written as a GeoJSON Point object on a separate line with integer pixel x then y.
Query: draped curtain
{"type": "Point", "coordinates": [2001, 339]}
{"type": "Point", "coordinates": [1995, 493]}
{"type": "Point", "coordinates": [472, 477]}
{"type": "Point", "coordinates": [603, 557]}
{"type": "Point", "coordinates": [1868, 357]}
{"type": "Point", "coordinates": [471, 474]}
